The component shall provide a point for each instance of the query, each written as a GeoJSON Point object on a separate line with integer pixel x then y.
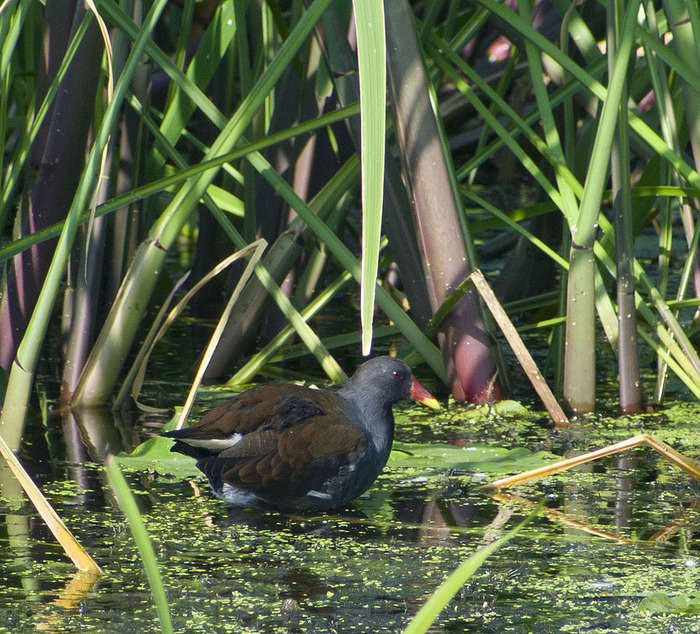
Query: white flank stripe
{"type": "Point", "coordinates": [214, 444]}
{"type": "Point", "coordinates": [237, 497]}
{"type": "Point", "coordinates": [318, 494]}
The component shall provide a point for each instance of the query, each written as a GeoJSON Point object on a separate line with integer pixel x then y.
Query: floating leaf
{"type": "Point", "coordinates": [662, 603]}
{"type": "Point", "coordinates": [510, 408]}
{"type": "Point", "coordinates": [504, 408]}
{"type": "Point", "coordinates": [481, 458]}
{"type": "Point", "coordinates": [155, 454]}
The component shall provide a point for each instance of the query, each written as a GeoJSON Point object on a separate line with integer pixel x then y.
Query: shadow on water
{"type": "Point", "coordinates": [583, 565]}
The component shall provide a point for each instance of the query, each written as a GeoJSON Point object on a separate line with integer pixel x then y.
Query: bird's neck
{"type": "Point", "coordinates": [374, 415]}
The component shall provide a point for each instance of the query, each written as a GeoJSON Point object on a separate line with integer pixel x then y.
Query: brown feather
{"type": "Point", "coordinates": [291, 447]}
{"type": "Point", "coordinates": [312, 446]}
{"type": "Point", "coordinates": [266, 407]}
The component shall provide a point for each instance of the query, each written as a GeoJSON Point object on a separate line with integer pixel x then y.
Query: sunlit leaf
{"type": "Point", "coordinates": [472, 458]}
{"type": "Point", "coordinates": [661, 603]}
{"type": "Point", "coordinates": [155, 454]}
{"type": "Point", "coordinates": [371, 53]}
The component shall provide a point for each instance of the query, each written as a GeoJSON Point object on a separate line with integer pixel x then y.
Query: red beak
{"type": "Point", "coordinates": [420, 394]}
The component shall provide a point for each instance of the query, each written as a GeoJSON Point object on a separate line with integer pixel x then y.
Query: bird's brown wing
{"type": "Point", "coordinates": [288, 463]}
{"type": "Point", "coordinates": [264, 407]}
{"type": "Point", "coordinates": [267, 408]}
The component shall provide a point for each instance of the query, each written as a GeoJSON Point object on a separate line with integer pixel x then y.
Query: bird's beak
{"type": "Point", "coordinates": [420, 394]}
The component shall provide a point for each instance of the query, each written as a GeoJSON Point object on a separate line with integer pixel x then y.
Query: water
{"type": "Point", "coordinates": [585, 565]}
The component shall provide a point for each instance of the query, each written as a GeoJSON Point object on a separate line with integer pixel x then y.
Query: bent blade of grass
{"type": "Point", "coordinates": [137, 374]}
{"type": "Point", "coordinates": [521, 352]}
{"type": "Point", "coordinates": [138, 529]}
{"type": "Point", "coordinates": [73, 549]}
{"type": "Point", "coordinates": [396, 313]}
{"type": "Point", "coordinates": [452, 585]}
{"type": "Point", "coordinates": [257, 247]}
{"type": "Point", "coordinates": [122, 322]}
{"type": "Point", "coordinates": [254, 365]}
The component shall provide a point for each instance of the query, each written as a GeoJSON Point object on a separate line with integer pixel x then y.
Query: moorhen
{"type": "Point", "coordinates": [293, 448]}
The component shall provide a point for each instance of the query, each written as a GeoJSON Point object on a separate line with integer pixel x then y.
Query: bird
{"type": "Point", "coordinates": [291, 448]}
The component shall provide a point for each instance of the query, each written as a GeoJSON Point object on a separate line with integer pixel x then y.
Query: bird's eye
{"type": "Point", "coordinates": [397, 374]}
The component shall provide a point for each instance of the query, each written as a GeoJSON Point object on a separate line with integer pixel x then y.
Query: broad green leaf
{"type": "Point", "coordinates": [371, 53]}
{"type": "Point", "coordinates": [472, 458]}
{"type": "Point", "coordinates": [661, 603]}
{"type": "Point", "coordinates": [155, 454]}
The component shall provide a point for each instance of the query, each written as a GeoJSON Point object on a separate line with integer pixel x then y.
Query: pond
{"type": "Point", "coordinates": [611, 534]}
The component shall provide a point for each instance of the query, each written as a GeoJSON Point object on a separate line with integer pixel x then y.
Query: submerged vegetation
{"type": "Point", "coordinates": [272, 164]}
{"type": "Point", "coordinates": [610, 536]}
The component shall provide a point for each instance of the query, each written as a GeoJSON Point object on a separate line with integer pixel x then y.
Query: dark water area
{"type": "Point", "coordinates": [612, 533]}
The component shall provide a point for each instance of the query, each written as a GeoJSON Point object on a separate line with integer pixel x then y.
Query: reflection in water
{"type": "Point", "coordinates": [367, 569]}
